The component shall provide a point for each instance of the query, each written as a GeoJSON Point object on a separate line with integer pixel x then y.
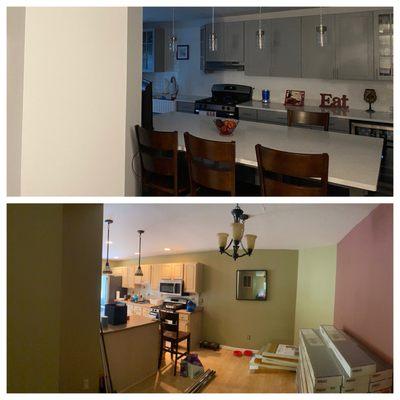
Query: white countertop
{"type": "Point", "coordinates": [354, 161]}
{"type": "Point", "coordinates": [181, 97]}
{"type": "Point", "coordinates": [361, 115]}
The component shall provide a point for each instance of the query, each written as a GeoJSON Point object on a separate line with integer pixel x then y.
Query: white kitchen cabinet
{"type": "Point", "coordinates": [153, 50]}
{"type": "Point", "coordinates": [155, 276]}
{"type": "Point", "coordinates": [177, 271]}
{"type": "Point", "coordinates": [192, 277]}
{"type": "Point", "coordinates": [166, 271]}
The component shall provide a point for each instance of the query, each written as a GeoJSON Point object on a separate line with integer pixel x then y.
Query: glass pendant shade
{"type": "Point", "coordinates": [107, 269]}
{"type": "Point", "coordinates": [251, 241]}
{"type": "Point", "coordinates": [172, 44]}
{"type": "Point", "coordinates": [213, 42]}
{"type": "Point", "coordinates": [321, 35]}
{"type": "Point", "coordinates": [237, 231]}
{"type": "Point", "coordinates": [222, 239]}
{"type": "Point", "coordinates": [139, 271]}
{"type": "Point", "coordinates": [260, 39]}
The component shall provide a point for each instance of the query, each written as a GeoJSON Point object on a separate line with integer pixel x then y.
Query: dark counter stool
{"type": "Point", "coordinates": [292, 174]}
{"type": "Point", "coordinates": [309, 118]}
{"type": "Point", "coordinates": [211, 166]}
{"type": "Point", "coordinates": [170, 333]}
{"type": "Point", "coordinates": [159, 161]}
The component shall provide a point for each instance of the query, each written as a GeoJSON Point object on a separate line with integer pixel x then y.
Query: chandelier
{"type": "Point", "coordinates": [139, 271]}
{"type": "Point", "coordinates": [237, 234]}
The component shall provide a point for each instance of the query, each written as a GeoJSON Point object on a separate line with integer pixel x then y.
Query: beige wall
{"type": "Point", "coordinates": [15, 86]}
{"type": "Point", "coordinates": [75, 95]}
{"type": "Point", "coordinates": [53, 296]}
{"type": "Point", "coordinates": [315, 287]}
{"type": "Point", "coordinates": [229, 321]}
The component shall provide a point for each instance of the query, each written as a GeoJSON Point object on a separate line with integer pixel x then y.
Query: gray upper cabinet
{"type": "Point", "coordinates": [153, 50]}
{"type": "Point", "coordinates": [285, 36]}
{"type": "Point", "coordinates": [256, 62]}
{"type": "Point", "coordinates": [230, 39]}
{"type": "Point", "coordinates": [383, 44]}
{"type": "Point", "coordinates": [354, 46]}
{"type": "Point", "coordinates": [233, 42]}
{"type": "Point", "coordinates": [217, 55]}
{"type": "Point", "coordinates": [317, 62]}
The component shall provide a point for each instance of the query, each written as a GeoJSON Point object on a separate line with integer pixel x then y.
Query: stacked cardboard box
{"type": "Point", "coordinates": [332, 361]}
{"type": "Point", "coordinates": [274, 356]}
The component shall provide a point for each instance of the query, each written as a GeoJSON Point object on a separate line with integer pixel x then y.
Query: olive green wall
{"type": "Point", "coordinates": [229, 321]}
{"type": "Point", "coordinates": [315, 287]}
{"type": "Point", "coordinates": [53, 297]}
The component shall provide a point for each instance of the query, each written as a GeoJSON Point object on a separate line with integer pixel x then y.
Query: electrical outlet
{"type": "Point", "coordinates": [86, 384]}
{"type": "Point", "coordinates": [248, 337]}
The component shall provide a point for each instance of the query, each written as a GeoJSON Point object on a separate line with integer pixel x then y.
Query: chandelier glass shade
{"type": "Point", "coordinates": [139, 271]}
{"type": "Point", "coordinates": [321, 32]}
{"type": "Point", "coordinates": [107, 269]}
{"type": "Point", "coordinates": [237, 236]}
{"type": "Point", "coordinates": [260, 34]}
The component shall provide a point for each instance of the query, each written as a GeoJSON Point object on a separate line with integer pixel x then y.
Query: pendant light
{"type": "Point", "coordinates": [173, 39]}
{"type": "Point", "coordinates": [212, 40]}
{"type": "Point", "coordinates": [260, 34]}
{"type": "Point", "coordinates": [107, 269]}
{"type": "Point", "coordinates": [321, 32]}
{"type": "Point", "coordinates": [139, 271]}
{"type": "Point", "coordinates": [237, 234]}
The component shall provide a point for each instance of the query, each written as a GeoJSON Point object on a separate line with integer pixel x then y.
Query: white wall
{"type": "Point", "coordinates": [193, 81]}
{"type": "Point", "coordinates": [75, 93]}
{"type": "Point", "coordinates": [15, 85]}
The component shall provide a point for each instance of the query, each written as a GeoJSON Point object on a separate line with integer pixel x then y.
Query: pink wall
{"type": "Point", "coordinates": [364, 282]}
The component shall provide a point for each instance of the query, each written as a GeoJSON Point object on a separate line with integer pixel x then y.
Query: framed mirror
{"type": "Point", "coordinates": [251, 284]}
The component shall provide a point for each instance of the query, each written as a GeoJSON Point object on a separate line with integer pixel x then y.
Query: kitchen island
{"type": "Point", "coordinates": [132, 351]}
{"type": "Point", "coordinates": [354, 161]}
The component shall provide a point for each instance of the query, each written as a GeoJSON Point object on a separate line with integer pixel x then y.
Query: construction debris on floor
{"type": "Point", "coordinates": [274, 356]}
{"type": "Point", "coordinates": [333, 362]}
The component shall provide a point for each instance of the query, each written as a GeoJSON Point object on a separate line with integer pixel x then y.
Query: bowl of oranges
{"type": "Point", "coordinates": [226, 126]}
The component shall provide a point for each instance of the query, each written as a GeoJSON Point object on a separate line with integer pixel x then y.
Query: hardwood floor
{"type": "Point", "coordinates": [232, 376]}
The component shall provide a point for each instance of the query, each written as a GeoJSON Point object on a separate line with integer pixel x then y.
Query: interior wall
{"type": "Point", "coordinates": [15, 87]}
{"type": "Point", "coordinates": [133, 100]}
{"type": "Point", "coordinates": [192, 81]}
{"type": "Point", "coordinates": [364, 282]}
{"type": "Point", "coordinates": [74, 119]}
{"type": "Point", "coordinates": [34, 265]}
{"type": "Point", "coordinates": [315, 288]}
{"type": "Point", "coordinates": [230, 321]}
{"type": "Point", "coordinates": [53, 297]}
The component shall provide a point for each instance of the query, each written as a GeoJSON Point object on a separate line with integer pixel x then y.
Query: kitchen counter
{"type": "Point", "coordinates": [180, 97]}
{"type": "Point", "coordinates": [354, 161]}
{"type": "Point", "coordinates": [361, 115]}
{"type": "Point", "coordinates": [197, 309]}
{"type": "Point", "coordinates": [134, 321]}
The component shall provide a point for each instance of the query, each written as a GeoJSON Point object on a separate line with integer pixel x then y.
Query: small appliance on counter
{"type": "Point", "coordinates": [224, 99]}
{"type": "Point", "coordinates": [117, 313]}
{"type": "Point", "coordinates": [174, 304]}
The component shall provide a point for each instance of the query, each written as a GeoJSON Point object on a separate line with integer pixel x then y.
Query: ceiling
{"type": "Point", "coordinates": [162, 14]}
{"type": "Point", "coordinates": [193, 227]}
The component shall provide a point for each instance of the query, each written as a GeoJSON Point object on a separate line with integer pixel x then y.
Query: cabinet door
{"type": "Point", "coordinates": [383, 45]}
{"type": "Point", "coordinates": [189, 278]}
{"type": "Point", "coordinates": [146, 278]}
{"type": "Point", "coordinates": [122, 271]}
{"type": "Point", "coordinates": [166, 271]}
{"type": "Point", "coordinates": [177, 271]}
{"type": "Point", "coordinates": [286, 47]}
{"type": "Point", "coordinates": [155, 276]}
{"type": "Point", "coordinates": [354, 46]}
{"type": "Point", "coordinates": [256, 62]}
{"type": "Point", "coordinates": [317, 62]}
{"type": "Point", "coordinates": [233, 42]}
{"type": "Point", "coordinates": [219, 54]}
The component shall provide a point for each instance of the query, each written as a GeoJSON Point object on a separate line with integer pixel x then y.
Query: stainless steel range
{"type": "Point", "coordinates": [173, 304]}
{"type": "Point", "coordinates": [224, 99]}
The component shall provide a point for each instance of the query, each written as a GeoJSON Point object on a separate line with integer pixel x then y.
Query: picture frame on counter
{"type": "Point", "coordinates": [294, 98]}
{"type": "Point", "coordinates": [182, 52]}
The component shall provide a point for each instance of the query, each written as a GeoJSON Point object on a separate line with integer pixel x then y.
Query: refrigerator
{"type": "Point", "coordinates": [109, 285]}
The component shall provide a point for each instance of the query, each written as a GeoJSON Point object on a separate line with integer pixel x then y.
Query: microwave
{"type": "Point", "coordinates": [171, 287]}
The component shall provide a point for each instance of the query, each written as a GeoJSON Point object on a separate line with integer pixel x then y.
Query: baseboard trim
{"type": "Point", "coordinates": [226, 347]}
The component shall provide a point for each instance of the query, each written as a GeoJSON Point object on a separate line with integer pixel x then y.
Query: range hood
{"type": "Point", "coordinates": [223, 66]}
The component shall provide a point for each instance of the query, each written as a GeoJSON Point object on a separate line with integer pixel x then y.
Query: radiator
{"type": "Point", "coordinates": [163, 106]}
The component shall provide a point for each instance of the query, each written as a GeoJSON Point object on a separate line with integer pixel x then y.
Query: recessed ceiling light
{"type": "Point", "coordinates": [109, 242]}
{"type": "Point", "coordinates": [167, 249]}
{"type": "Point", "coordinates": [116, 257]}
{"type": "Point", "coordinates": [136, 254]}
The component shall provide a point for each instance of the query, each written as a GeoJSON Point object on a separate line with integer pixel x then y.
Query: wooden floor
{"type": "Point", "coordinates": [232, 376]}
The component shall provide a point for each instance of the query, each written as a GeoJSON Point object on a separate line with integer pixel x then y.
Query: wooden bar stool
{"type": "Point", "coordinates": [297, 117]}
{"type": "Point", "coordinates": [211, 166]}
{"type": "Point", "coordinates": [170, 333]}
{"type": "Point", "coordinates": [158, 153]}
{"type": "Point", "coordinates": [292, 174]}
